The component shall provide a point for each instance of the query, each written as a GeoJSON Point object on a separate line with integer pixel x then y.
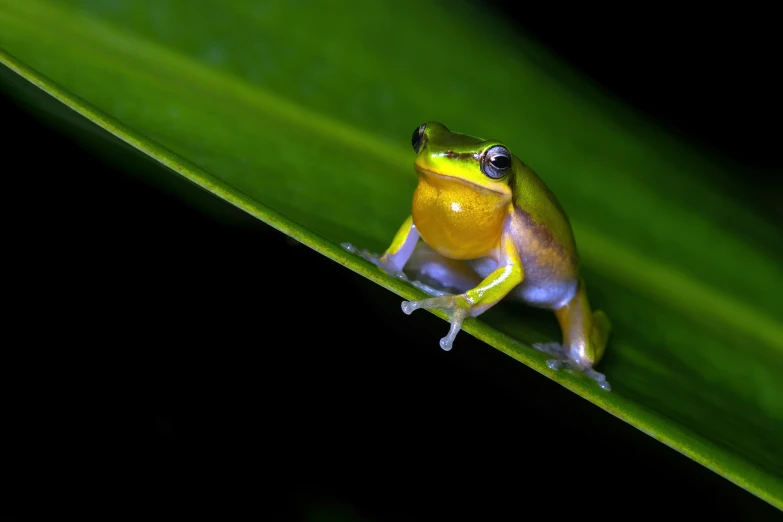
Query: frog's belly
{"type": "Point", "coordinates": [542, 286]}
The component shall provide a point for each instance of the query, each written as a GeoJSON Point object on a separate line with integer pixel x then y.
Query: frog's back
{"type": "Point", "coordinates": [545, 242]}
{"type": "Point", "coordinates": [539, 207]}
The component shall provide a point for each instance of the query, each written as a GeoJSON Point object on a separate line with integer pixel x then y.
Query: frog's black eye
{"type": "Point", "coordinates": [496, 162]}
{"type": "Point", "coordinates": [418, 137]}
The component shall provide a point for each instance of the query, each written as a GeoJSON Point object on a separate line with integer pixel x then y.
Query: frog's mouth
{"type": "Point", "coordinates": [462, 181]}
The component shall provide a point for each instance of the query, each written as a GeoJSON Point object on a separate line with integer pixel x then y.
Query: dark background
{"type": "Point", "coordinates": [133, 383]}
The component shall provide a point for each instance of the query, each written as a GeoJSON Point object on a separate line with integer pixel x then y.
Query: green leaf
{"type": "Point", "coordinates": [306, 127]}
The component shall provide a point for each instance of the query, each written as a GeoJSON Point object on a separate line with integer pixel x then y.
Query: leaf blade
{"type": "Point", "coordinates": [605, 257]}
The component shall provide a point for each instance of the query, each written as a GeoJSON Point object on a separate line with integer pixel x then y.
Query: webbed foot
{"type": "Point", "coordinates": [456, 306]}
{"type": "Point", "coordinates": [562, 360]}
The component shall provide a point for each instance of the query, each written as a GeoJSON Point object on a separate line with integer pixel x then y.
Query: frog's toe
{"type": "Point", "coordinates": [561, 362]}
{"type": "Point", "coordinates": [363, 253]}
{"type": "Point", "coordinates": [456, 324]}
{"type": "Point", "coordinates": [350, 248]}
{"type": "Point", "coordinates": [374, 259]}
{"type": "Point", "coordinates": [446, 303]}
{"type": "Point", "coordinates": [600, 378]}
{"type": "Point", "coordinates": [555, 349]}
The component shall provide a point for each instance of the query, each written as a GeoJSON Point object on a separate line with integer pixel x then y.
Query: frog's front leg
{"type": "Point", "coordinates": [585, 334]}
{"type": "Point", "coordinates": [420, 260]}
{"type": "Point", "coordinates": [402, 246]}
{"type": "Point", "coordinates": [477, 300]}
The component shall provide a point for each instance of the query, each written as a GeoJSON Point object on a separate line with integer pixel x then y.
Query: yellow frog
{"type": "Point", "coordinates": [491, 230]}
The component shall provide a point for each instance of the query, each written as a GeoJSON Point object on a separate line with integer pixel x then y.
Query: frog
{"type": "Point", "coordinates": [484, 228]}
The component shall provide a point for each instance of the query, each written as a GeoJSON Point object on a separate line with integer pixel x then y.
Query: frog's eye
{"type": "Point", "coordinates": [496, 162]}
{"type": "Point", "coordinates": [418, 137]}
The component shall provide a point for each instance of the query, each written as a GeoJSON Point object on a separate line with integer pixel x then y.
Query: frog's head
{"type": "Point", "coordinates": [480, 164]}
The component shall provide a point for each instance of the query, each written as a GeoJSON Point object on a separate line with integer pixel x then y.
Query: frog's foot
{"type": "Point", "coordinates": [375, 259]}
{"type": "Point", "coordinates": [561, 361]}
{"type": "Point", "coordinates": [380, 262]}
{"type": "Point", "coordinates": [451, 304]}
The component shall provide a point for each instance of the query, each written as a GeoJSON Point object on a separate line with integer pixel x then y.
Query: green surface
{"type": "Point", "coordinates": [306, 125]}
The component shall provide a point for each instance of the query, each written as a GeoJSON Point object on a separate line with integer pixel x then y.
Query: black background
{"type": "Point", "coordinates": [140, 374]}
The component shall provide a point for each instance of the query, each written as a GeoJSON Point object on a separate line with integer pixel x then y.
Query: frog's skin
{"type": "Point", "coordinates": [491, 230]}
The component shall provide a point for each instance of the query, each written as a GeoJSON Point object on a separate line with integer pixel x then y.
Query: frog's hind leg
{"type": "Point", "coordinates": [437, 275]}
{"type": "Point", "coordinates": [585, 335]}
